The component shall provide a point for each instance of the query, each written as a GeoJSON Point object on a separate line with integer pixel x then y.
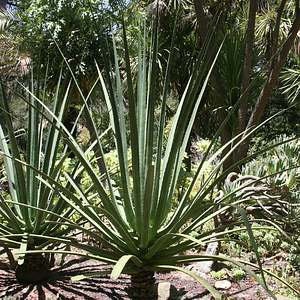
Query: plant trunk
{"type": "Point", "coordinates": [202, 21]}
{"type": "Point", "coordinates": [272, 81]}
{"type": "Point", "coordinates": [3, 4]}
{"type": "Point", "coordinates": [275, 32]}
{"type": "Point", "coordinates": [247, 67]}
{"type": "Point", "coordinates": [69, 121]}
{"type": "Point", "coordinates": [143, 286]}
{"type": "Point", "coordinates": [34, 269]}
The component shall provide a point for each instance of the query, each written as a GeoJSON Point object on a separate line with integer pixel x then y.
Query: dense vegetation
{"type": "Point", "coordinates": [156, 129]}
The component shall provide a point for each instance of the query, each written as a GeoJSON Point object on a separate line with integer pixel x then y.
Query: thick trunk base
{"type": "Point", "coordinates": [143, 286]}
{"type": "Point", "coordinates": [35, 269]}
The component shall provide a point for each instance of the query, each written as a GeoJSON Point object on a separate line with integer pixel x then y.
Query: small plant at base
{"type": "Point", "coordinates": [219, 275]}
{"type": "Point", "coordinates": [238, 274]}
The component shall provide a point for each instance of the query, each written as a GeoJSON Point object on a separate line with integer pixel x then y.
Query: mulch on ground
{"type": "Point", "coordinates": [100, 286]}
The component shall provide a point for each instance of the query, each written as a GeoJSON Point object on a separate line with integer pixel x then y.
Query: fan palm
{"type": "Point", "coordinates": [291, 83]}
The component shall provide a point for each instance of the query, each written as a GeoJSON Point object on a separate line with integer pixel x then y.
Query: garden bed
{"type": "Point", "coordinates": [64, 284]}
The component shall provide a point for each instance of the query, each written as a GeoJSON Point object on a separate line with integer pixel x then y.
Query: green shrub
{"type": "Point", "coordinates": [238, 274]}
{"type": "Point", "coordinates": [219, 275]}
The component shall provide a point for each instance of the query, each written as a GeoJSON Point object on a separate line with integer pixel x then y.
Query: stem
{"type": "Point", "coordinates": [143, 286]}
{"type": "Point", "coordinates": [247, 68]}
{"type": "Point", "coordinates": [35, 269]}
{"type": "Point", "coordinates": [272, 80]}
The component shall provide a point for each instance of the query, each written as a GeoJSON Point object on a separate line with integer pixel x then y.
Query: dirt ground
{"type": "Point", "coordinates": [60, 286]}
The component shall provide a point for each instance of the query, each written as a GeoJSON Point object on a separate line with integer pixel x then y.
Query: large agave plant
{"type": "Point", "coordinates": [30, 211]}
{"type": "Point", "coordinates": [143, 229]}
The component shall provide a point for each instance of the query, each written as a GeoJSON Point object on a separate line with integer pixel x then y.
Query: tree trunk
{"type": "Point", "coordinates": [71, 114]}
{"type": "Point", "coordinates": [35, 269]}
{"type": "Point", "coordinates": [272, 81]}
{"type": "Point", "coordinates": [247, 67]}
{"type": "Point", "coordinates": [202, 21]}
{"type": "Point", "coordinates": [275, 32]}
{"type": "Point", "coordinates": [3, 4]}
{"type": "Point", "coordinates": [226, 136]}
{"type": "Point", "coordinates": [143, 286]}
{"type": "Point", "coordinates": [69, 121]}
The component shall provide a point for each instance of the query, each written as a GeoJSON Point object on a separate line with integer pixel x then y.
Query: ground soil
{"type": "Point", "coordinates": [100, 286]}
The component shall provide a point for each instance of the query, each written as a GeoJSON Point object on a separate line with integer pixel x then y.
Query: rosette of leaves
{"type": "Point", "coordinates": [31, 213]}
{"type": "Point", "coordinates": [144, 232]}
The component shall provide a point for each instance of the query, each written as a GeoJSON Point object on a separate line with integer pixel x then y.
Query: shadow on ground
{"type": "Point", "coordinates": [94, 284]}
{"type": "Point", "coordinates": [61, 286]}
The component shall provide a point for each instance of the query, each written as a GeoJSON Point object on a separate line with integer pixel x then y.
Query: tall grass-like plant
{"type": "Point", "coordinates": [30, 212]}
{"type": "Point", "coordinates": [142, 228]}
